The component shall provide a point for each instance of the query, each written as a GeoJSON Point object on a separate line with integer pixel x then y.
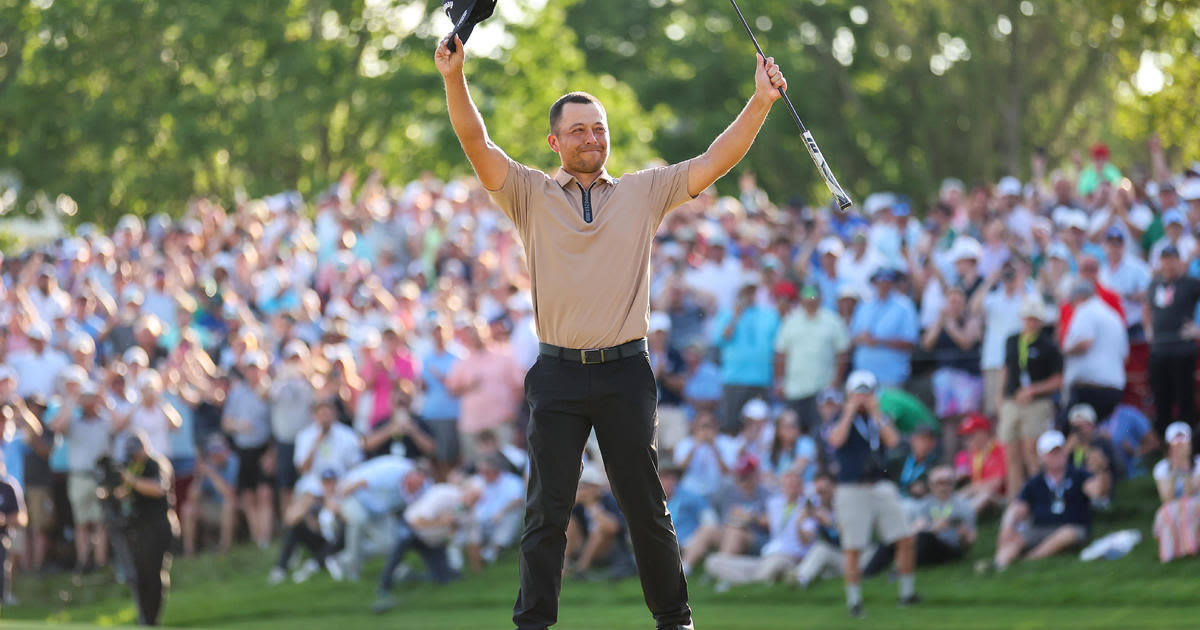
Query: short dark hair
{"type": "Point", "coordinates": [582, 98]}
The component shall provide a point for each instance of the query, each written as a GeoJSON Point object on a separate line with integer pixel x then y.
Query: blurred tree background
{"type": "Point", "coordinates": [138, 105]}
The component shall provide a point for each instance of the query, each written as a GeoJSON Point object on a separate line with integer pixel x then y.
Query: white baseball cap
{"type": "Point", "coordinates": [38, 332]}
{"type": "Point", "coordinates": [1178, 431]}
{"type": "Point", "coordinates": [831, 245]}
{"type": "Point", "coordinates": [1190, 190]}
{"type": "Point", "coordinates": [1009, 186]}
{"type": "Point", "coordinates": [136, 354]}
{"type": "Point", "coordinates": [1033, 306]}
{"type": "Point", "coordinates": [755, 409]}
{"type": "Point", "coordinates": [966, 248]}
{"type": "Point", "coordinates": [861, 380]}
{"type": "Point", "coordinates": [1049, 441]}
{"type": "Point", "coordinates": [660, 321]}
{"type": "Point", "coordinates": [1082, 411]}
{"type": "Point", "coordinates": [74, 374]}
{"type": "Point", "coordinates": [878, 201]}
{"type": "Point", "coordinates": [295, 348]}
{"type": "Point", "coordinates": [256, 358]}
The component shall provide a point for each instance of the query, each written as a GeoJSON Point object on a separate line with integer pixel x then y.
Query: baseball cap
{"type": "Point", "coordinates": [1059, 251]}
{"type": "Point", "coordinates": [1173, 217]}
{"type": "Point", "coordinates": [784, 289]}
{"type": "Point", "coordinates": [136, 354]}
{"type": "Point", "coordinates": [1049, 441]}
{"type": "Point", "coordinates": [1099, 151]}
{"type": "Point", "coordinates": [89, 388]}
{"type": "Point", "coordinates": [1190, 190]}
{"type": "Point", "coordinates": [83, 342]}
{"type": "Point", "coordinates": [810, 292]}
{"type": "Point", "coordinates": [466, 14]}
{"type": "Point", "coordinates": [974, 423]}
{"type": "Point", "coordinates": [74, 374]}
{"type": "Point", "coordinates": [1009, 186]}
{"type": "Point", "coordinates": [878, 201]}
{"type": "Point", "coordinates": [328, 474]}
{"type": "Point", "coordinates": [831, 245]}
{"type": "Point", "coordinates": [861, 381]}
{"type": "Point", "coordinates": [660, 321]}
{"type": "Point", "coordinates": [830, 395]}
{"type": "Point", "coordinates": [755, 409]}
{"type": "Point", "coordinates": [295, 348]}
{"type": "Point", "coordinates": [884, 274]}
{"type": "Point", "coordinates": [1114, 232]}
{"type": "Point", "coordinates": [770, 261]}
{"type": "Point", "coordinates": [1170, 250]}
{"type": "Point", "coordinates": [38, 332]}
{"type": "Point", "coordinates": [747, 464]}
{"type": "Point", "coordinates": [1076, 219]}
{"type": "Point", "coordinates": [1178, 431]}
{"type": "Point", "coordinates": [966, 248]}
{"type": "Point", "coordinates": [848, 291]}
{"type": "Point", "coordinates": [1033, 306]}
{"type": "Point", "coordinates": [216, 444]}
{"type": "Point", "coordinates": [1082, 411]}
{"type": "Point", "coordinates": [256, 358]}
{"type": "Point", "coordinates": [132, 294]}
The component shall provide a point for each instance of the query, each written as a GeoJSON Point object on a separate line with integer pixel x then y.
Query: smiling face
{"type": "Point", "coordinates": [580, 137]}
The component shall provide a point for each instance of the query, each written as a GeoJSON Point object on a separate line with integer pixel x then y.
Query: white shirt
{"type": "Point", "coordinates": [1104, 362]}
{"type": "Point", "coordinates": [1131, 276]}
{"type": "Point", "coordinates": [857, 272]}
{"type": "Point", "coordinates": [438, 501]}
{"type": "Point", "coordinates": [497, 495]}
{"type": "Point", "coordinates": [154, 422]}
{"type": "Point", "coordinates": [38, 373]}
{"type": "Point", "coordinates": [1001, 320]}
{"type": "Point", "coordinates": [340, 451]}
{"type": "Point", "coordinates": [784, 522]}
{"type": "Point", "coordinates": [703, 475]}
{"type": "Point", "coordinates": [1162, 470]}
{"type": "Point", "coordinates": [383, 476]}
{"type": "Point", "coordinates": [524, 342]}
{"type": "Point", "coordinates": [722, 281]}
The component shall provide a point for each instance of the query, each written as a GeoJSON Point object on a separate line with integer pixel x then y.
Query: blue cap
{"type": "Point", "coordinates": [328, 473]}
{"type": "Point", "coordinates": [884, 274]}
{"type": "Point", "coordinates": [1173, 216]}
{"type": "Point", "coordinates": [1114, 232]}
{"type": "Point", "coordinates": [900, 209]}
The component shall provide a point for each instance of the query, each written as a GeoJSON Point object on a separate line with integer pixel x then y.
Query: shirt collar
{"type": "Point", "coordinates": [563, 178]}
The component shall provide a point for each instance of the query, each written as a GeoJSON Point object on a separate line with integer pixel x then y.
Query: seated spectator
{"type": "Point", "coordinates": [430, 522]}
{"type": "Point", "coordinates": [944, 522]}
{"type": "Point", "coordinates": [212, 502]}
{"type": "Point", "coordinates": [790, 535]}
{"type": "Point", "coordinates": [706, 456]}
{"type": "Point", "coordinates": [702, 378]}
{"type": "Point", "coordinates": [755, 436]}
{"type": "Point", "coordinates": [496, 516]}
{"type": "Point", "coordinates": [597, 532]}
{"type": "Point", "coordinates": [981, 465]}
{"type": "Point", "coordinates": [514, 459]}
{"type": "Point", "coordinates": [688, 509]}
{"type": "Point", "coordinates": [1032, 376]}
{"type": "Point", "coordinates": [318, 528]}
{"type": "Point", "coordinates": [824, 558]}
{"type": "Point", "coordinates": [911, 463]}
{"type": "Point", "coordinates": [742, 506]}
{"type": "Point", "coordinates": [1177, 476]}
{"type": "Point", "coordinates": [792, 450]}
{"type": "Point", "coordinates": [369, 496]}
{"type": "Point", "coordinates": [1088, 449]}
{"type": "Point", "coordinates": [1132, 438]}
{"type": "Point", "coordinates": [1053, 512]}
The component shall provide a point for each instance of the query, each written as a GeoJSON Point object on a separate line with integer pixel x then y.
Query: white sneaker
{"type": "Point", "coordinates": [334, 566]}
{"type": "Point", "coordinates": [278, 576]}
{"type": "Point", "coordinates": [489, 554]}
{"type": "Point", "coordinates": [401, 573]}
{"type": "Point", "coordinates": [454, 557]}
{"type": "Point", "coordinates": [307, 570]}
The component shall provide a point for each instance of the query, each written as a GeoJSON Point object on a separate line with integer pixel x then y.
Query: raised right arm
{"type": "Point", "coordinates": [488, 160]}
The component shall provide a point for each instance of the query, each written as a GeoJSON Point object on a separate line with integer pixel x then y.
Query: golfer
{"type": "Point", "coordinates": [587, 240]}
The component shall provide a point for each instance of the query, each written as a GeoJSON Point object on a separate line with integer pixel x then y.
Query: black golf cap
{"type": "Point", "coordinates": [466, 14]}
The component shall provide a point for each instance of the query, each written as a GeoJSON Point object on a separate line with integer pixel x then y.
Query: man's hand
{"type": "Point", "coordinates": [768, 79]}
{"type": "Point", "coordinates": [449, 63]}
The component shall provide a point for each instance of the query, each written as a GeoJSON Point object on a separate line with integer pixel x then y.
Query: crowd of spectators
{"type": "Point", "coordinates": [344, 376]}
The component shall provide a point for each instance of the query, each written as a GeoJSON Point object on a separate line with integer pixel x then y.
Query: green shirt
{"type": "Point", "coordinates": [906, 410]}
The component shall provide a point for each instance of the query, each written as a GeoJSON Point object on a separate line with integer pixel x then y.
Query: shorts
{"type": "Point", "coordinates": [445, 439]}
{"type": "Point", "coordinates": [286, 474]}
{"type": "Point", "coordinates": [39, 502]}
{"type": "Point", "coordinates": [208, 510]}
{"type": "Point", "coordinates": [85, 503]}
{"type": "Point", "coordinates": [1034, 535]}
{"type": "Point", "coordinates": [956, 392]}
{"type": "Point", "coordinates": [863, 507]}
{"type": "Point", "coordinates": [250, 471]}
{"type": "Point", "coordinates": [1024, 421]}
{"type": "Point", "coordinates": [992, 390]}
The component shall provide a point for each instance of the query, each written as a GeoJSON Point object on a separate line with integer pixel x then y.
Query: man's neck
{"type": "Point", "coordinates": [1056, 476]}
{"type": "Point", "coordinates": [585, 179]}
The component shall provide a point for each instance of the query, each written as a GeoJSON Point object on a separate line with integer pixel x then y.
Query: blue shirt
{"type": "Point", "coordinates": [14, 449]}
{"type": "Point", "coordinates": [228, 472]}
{"type": "Point", "coordinates": [686, 508]}
{"type": "Point", "coordinates": [1075, 509]}
{"type": "Point", "coordinates": [704, 383]}
{"type": "Point", "coordinates": [891, 319]}
{"type": "Point", "coordinates": [439, 404]}
{"type": "Point", "coordinates": [747, 355]}
{"type": "Point", "coordinates": [1127, 427]}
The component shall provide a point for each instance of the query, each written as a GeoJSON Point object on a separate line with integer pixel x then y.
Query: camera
{"type": "Point", "coordinates": [110, 484]}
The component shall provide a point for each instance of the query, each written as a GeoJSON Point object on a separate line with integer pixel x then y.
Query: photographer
{"type": "Point", "coordinates": [865, 498]}
{"type": "Point", "coordinates": [152, 525]}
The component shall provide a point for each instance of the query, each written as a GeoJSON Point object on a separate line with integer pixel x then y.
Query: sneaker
{"type": "Point", "coordinates": [402, 573]}
{"type": "Point", "coordinates": [489, 554]}
{"type": "Point", "coordinates": [454, 557]}
{"type": "Point", "coordinates": [383, 603]}
{"type": "Point", "coordinates": [334, 566]}
{"type": "Point", "coordinates": [307, 570]}
{"type": "Point", "coordinates": [911, 600]}
{"type": "Point", "coordinates": [277, 576]}
{"type": "Point", "coordinates": [858, 612]}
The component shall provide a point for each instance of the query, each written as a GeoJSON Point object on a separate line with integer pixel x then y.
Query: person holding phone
{"type": "Point", "coordinates": [865, 499]}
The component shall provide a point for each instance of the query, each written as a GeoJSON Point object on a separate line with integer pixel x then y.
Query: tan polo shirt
{"type": "Point", "coordinates": [591, 280]}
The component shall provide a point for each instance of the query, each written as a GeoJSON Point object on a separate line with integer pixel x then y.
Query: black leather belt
{"type": "Point", "coordinates": [594, 355]}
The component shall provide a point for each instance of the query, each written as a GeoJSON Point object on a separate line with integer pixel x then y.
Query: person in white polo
{"type": "Point", "coordinates": [865, 499]}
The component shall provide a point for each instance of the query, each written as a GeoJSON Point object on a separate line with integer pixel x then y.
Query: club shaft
{"type": "Point", "coordinates": [782, 92]}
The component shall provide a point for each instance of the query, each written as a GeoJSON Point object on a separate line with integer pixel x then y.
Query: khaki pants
{"type": "Point", "coordinates": [1026, 421]}
{"type": "Point", "coordinates": [823, 560]}
{"type": "Point", "coordinates": [735, 569]}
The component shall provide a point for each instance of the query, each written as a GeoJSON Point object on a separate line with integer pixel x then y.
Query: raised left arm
{"type": "Point", "coordinates": [731, 146]}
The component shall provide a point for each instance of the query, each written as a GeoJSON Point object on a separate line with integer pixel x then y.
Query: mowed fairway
{"type": "Point", "coordinates": [1062, 593]}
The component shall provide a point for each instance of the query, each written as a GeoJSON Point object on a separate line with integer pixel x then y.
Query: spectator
{"type": "Point", "coordinates": [12, 515]}
{"type": "Point", "coordinates": [1177, 476]}
{"type": "Point", "coordinates": [742, 505]}
{"type": "Point", "coordinates": [865, 499]}
{"type": "Point", "coordinates": [824, 557]}
{"type": "Point", "coordinates": [706, 456]}
{"type": "Point", "coordinates": [906, 411]}
{"type": "Point", "coordinates": [912, 462]}
{"type": "Point", "coordinates": [757, 434]}
{"type": "Point", "coordinates": [981, 465]}
{"type": "Point", "coordinates": [1129, 277]}
{"type": "Point", "coordinates": [745, 335]}
{"type": "Point", "coordinates": [496, 516]}
{"type": "Point", "coordinates": [487, 383]}
{"type": "Point", "coordinates": [1053, 512]}
{"type": "Point", "coordinates": [303, 526]}
{"type": "Point", "coordinates": [953, 340]}
{"type": "Point", "coordinates": [884, 331]}
{"type": "Point", "coordinates": [1095, 347]}
{"type": "Point", "coordinates": [151, 415]}
{"type": "Point", "coordinates": [809, 350]}
{"type": "Point", "coordinates": [792, 449]}
{"type": "Point", "coordinates": [945, 526]}
{"type": "Point", "coordinates": [1001, 309]}
{"type": "Point", "coordinates": [669, 372]}
{"type": "Point", "coordinates": [87, 429]}
{"type": "Point", "coordinates": [790, 535]}
{"type": "Point", "coordinates": [21, 435]}
{"type": "Point", "coordinates": [1171, 330]}
{"type": "Point", "coordinates": [430, 521]}
{"type": "Point", "coordinates": [440, 409]}
{"type": "Point", "coordinates": [247, 420]}
{"type": "Point", "coordinates": [688, 509]}
{"type": "Point", "coordinates": [1032, 376]}
{"type": "Point", "coordinates": [597, 531]}
{"type": "Point", "coordinates": [291, 398]}
{"type": "Point", "coordinates": [1088, 449]}
{"type": "Point", "coordinates": [369, 497]}
{"type": "Point", "coordinates": [212, 503]}
{"type": "Point", "coordinates": [1132, 438]}
{"type": "Point", "coordinates": [39, 368]}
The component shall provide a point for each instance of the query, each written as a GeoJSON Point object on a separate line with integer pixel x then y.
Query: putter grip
{"type": "Point", "coordinates": [843, 200]}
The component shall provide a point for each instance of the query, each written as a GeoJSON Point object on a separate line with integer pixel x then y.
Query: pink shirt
{"type": "Point", "coordinates": [490, 384]}
{"type": "Point", "coordinates": [380, 382]}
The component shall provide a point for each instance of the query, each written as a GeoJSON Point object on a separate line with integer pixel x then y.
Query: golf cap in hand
{"type": "Point", "coordinates": [466, 14]}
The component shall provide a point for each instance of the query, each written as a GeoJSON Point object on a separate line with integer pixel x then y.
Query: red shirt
{"type": "Point", "coordinates": [984, 465]}
{"type": "Point", "coordinates": [1067, 310]}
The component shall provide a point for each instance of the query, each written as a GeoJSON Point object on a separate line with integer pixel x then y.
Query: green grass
{"type": "Point", "coordinates": [1134, 592]}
